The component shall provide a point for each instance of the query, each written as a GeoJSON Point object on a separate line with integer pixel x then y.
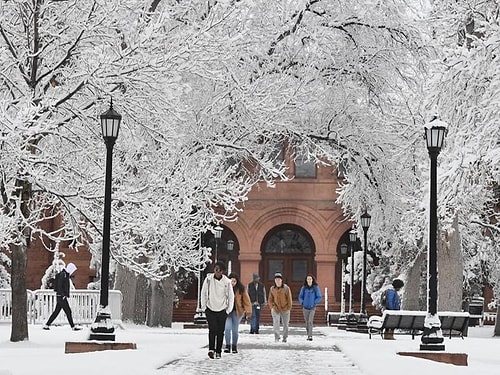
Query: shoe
{"type": "Point", "coordinates": [228, 349]}
{"type": "Point", "coordinates": [256, 332]}
{"type": "Point", "coordinates": [46, 327]}
{"type": "Point", "coordinates": [276, 339]}
{"type": "Point", "coordinates": [234, 349]}
{"type": "Point", "coordinates": [76, 328]}
{"type": "Point", "coordinates": [309, 338]}
{"type": "Point", "coordinates": [217, 355]}
{"type": "Point", "coordinates": [284, 339]}
{"type": "Point", "coordinates": [252, 332]}
{"type": "Point", "coordinates": [211, 354]}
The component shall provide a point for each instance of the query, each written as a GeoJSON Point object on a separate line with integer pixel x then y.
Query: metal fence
{"type": "Point", "coordinates": [84, 304]}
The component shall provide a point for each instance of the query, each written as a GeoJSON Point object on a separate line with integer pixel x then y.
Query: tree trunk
{"type": "Point", "coordinates": [142, 294]}
{"type": "Point", "coordinates": [126, 282]}
{"type": "Point", "coordinates": [497, 323]}
{"type": "Point", "coordinates": [161, 303]}
{"type": "Point", "coordinates": [135, 293]}
{"type": "Point", "coordinates": [19, 328]}
{"type": "Point", "coordinates": [414, 287]}
{"type": "Point", "coordinates": [450, 270]}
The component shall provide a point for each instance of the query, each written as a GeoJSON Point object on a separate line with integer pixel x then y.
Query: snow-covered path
{"type": "Point", "coordinates": [297, 355]}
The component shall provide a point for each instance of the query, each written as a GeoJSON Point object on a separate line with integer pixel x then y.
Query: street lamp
{"type": "Point", "coordinates": [343, 254]}
{"type": "Point", "coordinates": [351, 319]}
{"type": "Point", "coordinates": [217, 234]}
{"type": "Point", "coordinates": [102, 328]}
{"type": "Point", "coordinates": [365, 223]}
{"type": "Point", "coordinates": [432, 337]}
{"type": "Point", "coordinates": [199, 317]}
{"type": "Point", "coordinates": [230, 247]}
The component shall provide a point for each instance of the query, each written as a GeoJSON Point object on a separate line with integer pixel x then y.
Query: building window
{"type": "Point", "coordinates": [305, 168]}
{"type": "Point", "coordinates": [288, 241]}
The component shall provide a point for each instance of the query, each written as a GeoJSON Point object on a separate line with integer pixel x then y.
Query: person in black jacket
{"type": "Point", "coordinates": [257, 294]}
{"type": "Point", "coordinates": [61, 287]}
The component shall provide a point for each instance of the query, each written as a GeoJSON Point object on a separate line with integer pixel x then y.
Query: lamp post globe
{"type": "Point", "coordinates": [229, 248]}
{"type": "Point", "coordinates": [365, 224]}
{"type": "Point", "coordinates": [217, 235]}
{"type": "Point", "coordinates": [432, 337]}
{"type": "Point", "coordinates": [102, 328]}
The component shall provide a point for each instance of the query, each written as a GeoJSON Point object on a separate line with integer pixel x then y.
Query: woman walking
{"type": "Point", "coordinates": [309, 297]}
{"type": "Point", "coordinates": [241, 305]}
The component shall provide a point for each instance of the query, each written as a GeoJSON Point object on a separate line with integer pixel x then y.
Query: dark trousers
{"type": "Point", "coordinates": [255, 319]}
{"type": "Point", "coordinates": [62, 304]}
{"type": "Point", "coordinates": [216, 325]}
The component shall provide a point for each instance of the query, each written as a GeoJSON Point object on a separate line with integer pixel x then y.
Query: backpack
{"type": "Point", "coordinates": [383, 299]}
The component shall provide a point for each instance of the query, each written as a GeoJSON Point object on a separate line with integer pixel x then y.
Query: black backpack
{"type": "Point", "coordinates": [383, 298]}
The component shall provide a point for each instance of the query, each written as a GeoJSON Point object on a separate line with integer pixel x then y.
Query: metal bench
{"type": "Point", "coordinates": [412, 322]}
{"type": "Point", "coordinates": [476, 310]}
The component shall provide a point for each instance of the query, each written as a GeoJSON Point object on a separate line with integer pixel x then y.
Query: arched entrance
{"type": "Point", "coordinates": [288, 249]}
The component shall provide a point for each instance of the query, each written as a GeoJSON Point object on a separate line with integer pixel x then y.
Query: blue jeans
{"type": "Point", "coordinates": [255, 319]}
{"type": "Point", "coordinates": [231, 330]}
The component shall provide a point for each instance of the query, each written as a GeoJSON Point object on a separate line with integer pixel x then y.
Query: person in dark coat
{"type": "Point", "coordinates": [257, 293]}
{"type": "Point", "coordinates": [61, 287]}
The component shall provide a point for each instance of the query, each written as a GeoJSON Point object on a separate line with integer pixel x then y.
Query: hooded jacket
{"type": "Point", "coordinates": [217, 295]}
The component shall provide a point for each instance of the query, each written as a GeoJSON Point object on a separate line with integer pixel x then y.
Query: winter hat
{"type": "Point", "coordinates": [398, 283]}
{"type": "Point", "coordinates": [70, 268]}
{"type": "Point", "coordinates": [255, 276]}
{"type": "Point", "coordinates": [278, 275]}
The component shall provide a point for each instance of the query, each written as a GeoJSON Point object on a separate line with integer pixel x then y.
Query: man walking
{"type": "Point", "coordinates": [257, 293]}
{"type": "Point", "coordinates": [280, 302]}
{"type": "Point", "coordinates": [61, 286]}
{"type": "Point", "coordinates": [217, 301]}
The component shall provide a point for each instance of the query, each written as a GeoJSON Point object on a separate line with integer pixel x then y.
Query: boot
{"type": "Point", "coordinates": [388, 335]}
{"type": "Point", "coordinates": [228, 349]}
{"type": "Point", "coordinates": [235, 349]}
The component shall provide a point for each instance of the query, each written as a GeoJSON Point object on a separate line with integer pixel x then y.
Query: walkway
{"type": "Point", "coordinates": [260, 354]}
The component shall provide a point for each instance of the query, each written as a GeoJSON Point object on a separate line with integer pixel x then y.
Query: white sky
{"type": "Point", "coordinates": [183, 351]}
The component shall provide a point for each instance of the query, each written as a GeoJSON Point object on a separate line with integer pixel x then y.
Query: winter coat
{"type": "Point", "coordinates": [257, 294]}
{"type": "Point", "coordinates": [61, 284]}
{"type": "Point", "coordinates": [309, 297]}
{"type": "Point", "coordinates": [242, 303]}
{"type": "Point", "coordinates": [280, 299]}
{"type": "Point", "coordinates": [393, 300]}
{"type": "Point", "coordinates": [217, 295]}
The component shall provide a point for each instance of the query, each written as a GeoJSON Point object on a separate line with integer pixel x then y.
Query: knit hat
{"type": "Point", "coordinates": [70, 268]}
{"type": "Point", "coordinates": [278, 275]}
{"type": "Point", "coordinates": [255, 276]}
{"type": "Point", "coordinates": [398, 283]}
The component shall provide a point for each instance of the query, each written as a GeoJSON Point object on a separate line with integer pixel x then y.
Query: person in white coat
{"type": "Point", "coordinates": [217, 301]}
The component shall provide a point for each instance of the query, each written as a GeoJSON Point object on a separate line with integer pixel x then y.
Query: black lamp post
{"type": "Point", "coordinates": [229, 248]}
{"type": "Point", "coordinates": [217, 234]}
{"type": "Point", "coordinates": [343, 315]}
{"type": "Point", "coordinates": [102, 328]}
{"type": "Point", "coordinates": [199, 316]}
{"type": "Point", "coordinates": [352, 320]}
{"type": "Point", "coordinates": [343, 254]}
{"type": "Point", "coordinates": [432, 337]}
{"type": "Point", "coordinates": [365, 223]}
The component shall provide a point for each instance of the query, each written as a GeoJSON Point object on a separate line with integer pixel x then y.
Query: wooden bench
{"type": "Point", "coordinates": [412, 322]}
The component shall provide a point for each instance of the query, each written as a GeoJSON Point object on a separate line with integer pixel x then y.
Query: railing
{"type": "Point", "coordinates": [83, 303]}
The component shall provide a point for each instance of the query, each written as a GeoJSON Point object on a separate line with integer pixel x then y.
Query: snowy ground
{"type": "Point", "coordinates": [184, 351]}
